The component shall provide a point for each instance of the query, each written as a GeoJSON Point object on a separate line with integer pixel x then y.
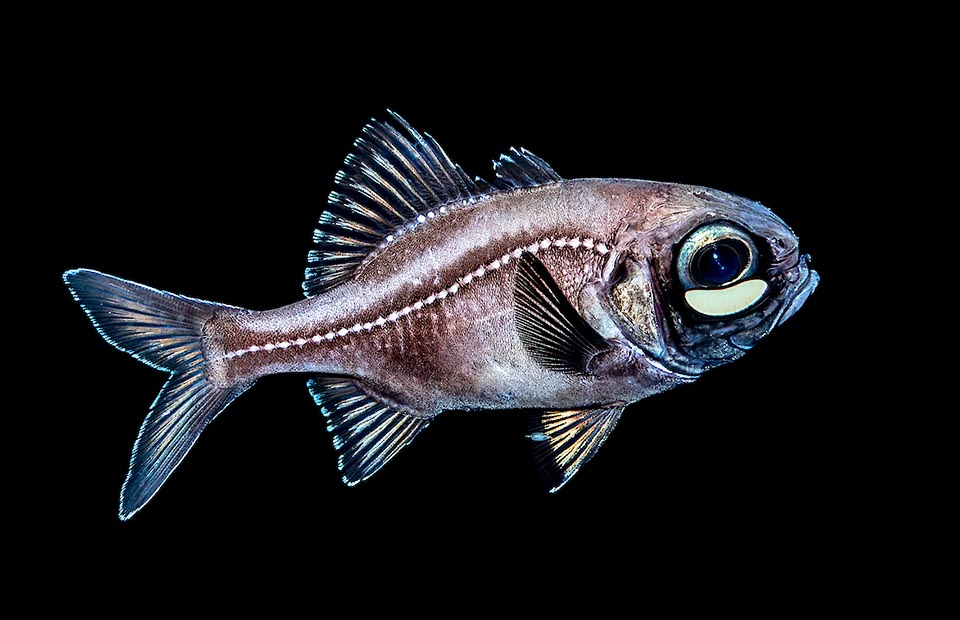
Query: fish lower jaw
{"type": "Point", "coordinates": [809, 284]}
{"type": "Point", "coordinates": [658, 352]}
{"type": "Point", "coordinates": [670, 363]}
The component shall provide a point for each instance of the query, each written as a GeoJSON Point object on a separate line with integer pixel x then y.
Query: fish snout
{"type": "Point", "coordinates": [805, 282]}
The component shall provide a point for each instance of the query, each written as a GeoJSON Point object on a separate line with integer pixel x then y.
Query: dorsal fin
{"type": "Point", "coordinates": [394, 180]}
{"type": "Point", "coordinates": [523, 169]}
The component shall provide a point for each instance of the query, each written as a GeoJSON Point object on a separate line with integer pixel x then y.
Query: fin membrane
{"type": "Point", "coordinates": [565, 440]}
{"type": "Point", "coordinates": [165, 331]}
{"type": "Point", "coordinates": [523, 169]}
{"type": "Point", "coordinates": [158, 328]}
{"type": "Point", "coordinates": [393, 180]}
{"type": "Point", "coordinates": [184, 407]}
{"type": "Point", "coordinates": [550, 328]}
{"type": "Point", "coordinates": [366, 432]}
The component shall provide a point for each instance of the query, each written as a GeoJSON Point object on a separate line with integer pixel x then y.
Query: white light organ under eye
{"type": "Point", "coordinates": [726, 301]}
{"type": "Point", "coordinates": [544, 244]}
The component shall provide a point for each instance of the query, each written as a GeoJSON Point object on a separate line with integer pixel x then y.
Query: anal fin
{"type": "Point", "coordinates": [567, 439]}
{"type": "Point", "coordinates": [366, 432]}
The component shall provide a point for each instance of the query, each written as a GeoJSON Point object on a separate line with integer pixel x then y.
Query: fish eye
{"type": "Point", "coordinates": [714, 264]}
{"type": "Point", "coordinates": [719, 263]}
{"type": "Point", "coordinates": [716, 255]}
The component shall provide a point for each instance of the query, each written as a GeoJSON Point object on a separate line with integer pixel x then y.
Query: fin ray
{"type": "Point", "coordinates": [523, 169]}
{"type": "Point", "coordinates": [550, 328]}
{"type": "Point", "coordinates": [394, 177]}
{"type": "Point", "coordinates": [366, 432]}
{"type": "Point", "coordinates": [182, 410]}
{"type": "Point", "coordinates": [158, 328]}
{"type": "Point", "coordinates": [566, 440]}
{"type": "Point", "coordinates": [165, 331]}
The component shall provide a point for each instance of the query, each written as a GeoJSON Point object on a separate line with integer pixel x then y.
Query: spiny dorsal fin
{"type": "Point", "coordinates": [550, 328]}
{"type": "Point", "coordinates": [366, 433]}
{"type": "Point", "coordinates": [565, 440]}
{"type": "Point", "coordinates": [393, 180]}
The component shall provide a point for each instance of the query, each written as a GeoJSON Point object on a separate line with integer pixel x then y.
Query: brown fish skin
{"type": "Point", "coordinates": [429, 291]}
{"type": "Point", "coordinates": [463, 351]}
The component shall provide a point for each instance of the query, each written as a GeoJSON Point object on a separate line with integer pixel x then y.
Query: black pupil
{"type": "Point", "coordinates": [717, 264]}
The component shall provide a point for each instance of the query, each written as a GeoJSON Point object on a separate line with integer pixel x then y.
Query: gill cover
{"type": "Point", "coordinates": [636, 303]}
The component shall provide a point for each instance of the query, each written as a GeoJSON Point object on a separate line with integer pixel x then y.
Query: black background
{"type": "Point", "coordinates": [201, 169]}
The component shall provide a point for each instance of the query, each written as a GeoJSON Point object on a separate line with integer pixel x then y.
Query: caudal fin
{"type": "Point", "coordinates": [162, 330]}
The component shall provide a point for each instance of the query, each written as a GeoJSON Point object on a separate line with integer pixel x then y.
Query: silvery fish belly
{"type": "Point", "coordinates": [429, 290]}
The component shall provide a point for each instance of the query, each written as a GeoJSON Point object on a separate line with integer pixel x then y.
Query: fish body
{"type": "Point", "coordinates": [429, 291]}
{"type": "Point", "coordinates": [430, 324]}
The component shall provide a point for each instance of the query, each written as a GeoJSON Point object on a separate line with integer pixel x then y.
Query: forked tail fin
{"type": "Point", "coordinates": [165, 331]}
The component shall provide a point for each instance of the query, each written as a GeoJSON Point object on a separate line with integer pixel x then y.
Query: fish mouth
{"type": "Point", "coordinates": [810, 280]}
{"type": "Point", "coordinates": [802, 281]}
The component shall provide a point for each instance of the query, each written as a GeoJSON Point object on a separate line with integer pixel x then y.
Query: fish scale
{"type": "Point", "coordinates": [430, 291]}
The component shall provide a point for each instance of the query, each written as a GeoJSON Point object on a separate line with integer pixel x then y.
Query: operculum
{"type": "Point", "coordinates": [635, 302]}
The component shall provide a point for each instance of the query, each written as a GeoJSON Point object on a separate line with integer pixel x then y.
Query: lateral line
{"type": "Point", "coordinates": [464, 280]}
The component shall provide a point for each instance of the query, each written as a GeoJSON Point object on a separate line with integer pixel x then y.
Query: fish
{"type": "Point", "coordinates": [428, 290]}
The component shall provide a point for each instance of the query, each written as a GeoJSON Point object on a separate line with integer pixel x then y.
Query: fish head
{"type": "Point", "coordinates": [702, 275]}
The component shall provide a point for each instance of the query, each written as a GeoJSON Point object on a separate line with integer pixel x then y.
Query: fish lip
{"type": "Point", "coordinates": [794, 299]}
{"type": "Point", "coordinates": [801, 292]}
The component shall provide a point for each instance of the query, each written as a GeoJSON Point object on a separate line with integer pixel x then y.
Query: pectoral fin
{"type": "Point", "coordinates": [565, 440]}
{"type": "Point", "coordinates": [550, 328]}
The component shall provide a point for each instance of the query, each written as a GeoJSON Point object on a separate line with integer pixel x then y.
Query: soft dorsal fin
{"type": "Point", "coordinates": [565, 440]}
{"type": "Point", "coordinates": [523, 169]}
{"type": "Point", "coordinates": [366, 433]}
{"type": "Point", "coordinates": [394, 180]}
